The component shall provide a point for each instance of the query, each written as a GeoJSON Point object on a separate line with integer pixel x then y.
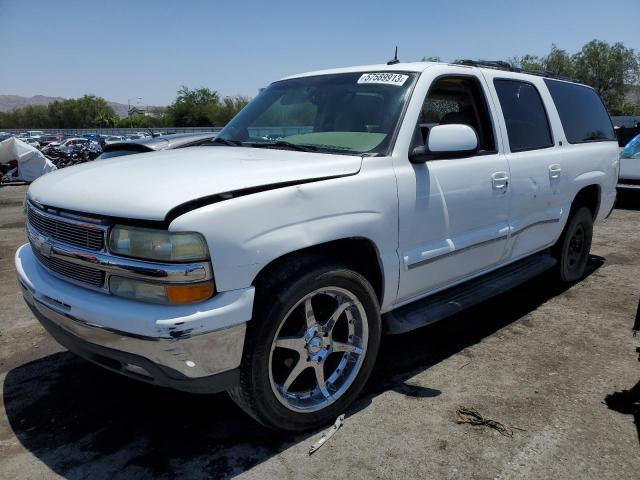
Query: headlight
{"type": "Point", "coordinates": [160, 245]}
{"type": "Point", "coordinates": [159, 293]}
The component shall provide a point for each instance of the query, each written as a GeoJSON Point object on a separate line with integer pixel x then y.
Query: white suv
{"type": "Point", "coordinates": [336, 206]}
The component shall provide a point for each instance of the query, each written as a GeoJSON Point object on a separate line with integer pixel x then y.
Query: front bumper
{"type": "Point", "coordinates": [196, 348]}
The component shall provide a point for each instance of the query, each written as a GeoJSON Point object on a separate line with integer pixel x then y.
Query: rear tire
{"type": "Point", "coordinates": [572, 250]}
{"type": "Point", "coordinates": [298, 372]}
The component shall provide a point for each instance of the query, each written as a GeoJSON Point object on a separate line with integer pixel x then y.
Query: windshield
{"type": "Point", "coordinates": [350, 113]}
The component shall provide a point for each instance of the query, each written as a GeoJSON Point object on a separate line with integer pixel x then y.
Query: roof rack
{"type": "Point", "coordinates": [502, 65]}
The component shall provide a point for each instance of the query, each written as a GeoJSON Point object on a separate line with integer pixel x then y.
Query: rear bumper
{"type": "Point", "coordinates": [189, 359]}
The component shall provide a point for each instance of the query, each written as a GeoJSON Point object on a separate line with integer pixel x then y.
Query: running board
{"type": "Point", "coordinates": [455, 299]}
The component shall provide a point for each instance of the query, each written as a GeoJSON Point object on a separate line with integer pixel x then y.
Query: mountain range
{"type": "Point", "coordinates": [10, 102]}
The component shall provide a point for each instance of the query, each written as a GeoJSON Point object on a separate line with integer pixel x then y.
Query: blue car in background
{"type": "Point", "coordinates": [629, 178]}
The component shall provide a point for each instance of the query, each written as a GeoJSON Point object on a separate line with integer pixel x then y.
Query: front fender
{"type": "Point", "coordinates": [244, 234]}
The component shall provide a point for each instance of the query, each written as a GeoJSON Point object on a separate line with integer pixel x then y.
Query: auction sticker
{"type": "Point", "coordinates": [384, 78]}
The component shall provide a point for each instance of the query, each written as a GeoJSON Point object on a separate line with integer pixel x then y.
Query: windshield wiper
{"type": "Point", "coordinates": [282, 143]}
{"type": "Point", "coordinates": [224, 141]}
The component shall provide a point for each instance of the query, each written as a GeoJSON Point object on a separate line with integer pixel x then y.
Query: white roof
{"type": "Point", "coordinates": [398, 67]}
{"type": "Point", "coordinates": [413, 67]}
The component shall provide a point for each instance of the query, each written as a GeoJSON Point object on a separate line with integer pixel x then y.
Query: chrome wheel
{"type": "Point", "coordinates": [318, 349]}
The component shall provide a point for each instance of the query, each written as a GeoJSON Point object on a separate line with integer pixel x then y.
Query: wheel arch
{"type": "Point", "coordinates": [589, 196]}
{"type": "Point", "coordinates": [359, 253]}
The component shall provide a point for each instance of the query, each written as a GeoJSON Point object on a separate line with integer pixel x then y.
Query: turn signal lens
{"type": "Point", "coordinates": [159, 293]}
{"type": "Point", "coordinates": [189, 293]}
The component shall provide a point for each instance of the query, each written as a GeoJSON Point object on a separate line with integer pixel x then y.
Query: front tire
{"type": "Point", "coordinates": [310, 347]}
{"type": "Point", "coordinates": [572, 250]}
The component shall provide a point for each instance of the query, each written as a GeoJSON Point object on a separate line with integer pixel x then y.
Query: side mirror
{"type": "Point", "coordinates": [446, 141]}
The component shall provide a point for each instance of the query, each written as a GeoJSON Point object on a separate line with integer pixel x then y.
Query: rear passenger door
{"type": "Point", "coordinates": [534, 161]}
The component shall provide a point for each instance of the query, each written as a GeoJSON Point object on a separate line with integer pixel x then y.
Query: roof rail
{"type": "Point", "coordinates": [502, 65]}
{"type": "Point", "coordinates": [497, 64]}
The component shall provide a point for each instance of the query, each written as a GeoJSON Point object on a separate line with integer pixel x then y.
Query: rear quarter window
{"type": "Point", "coordinates": [582, 113]}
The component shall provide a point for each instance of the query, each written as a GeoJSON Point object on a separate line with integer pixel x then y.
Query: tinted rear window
{"type": "Point", "coordinates": [583, 115]}
{"type": "Point", "coordinates": [524, 115]}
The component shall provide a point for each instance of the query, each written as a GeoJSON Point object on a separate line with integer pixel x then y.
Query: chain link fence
{"type": "Point", "coordinates": [115, 131]}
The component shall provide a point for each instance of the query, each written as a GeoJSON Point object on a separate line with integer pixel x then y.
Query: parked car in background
{"type": "Point", "coordinates": [73, 141]}
{"type": "Point", "coordinates": [151, 144]}
{"type": "Point", "coordinates": [64, 145]}
{"type": "Point", "coordinates": [113, 139]}
{"type": "Point", "coordinates": [95, 137]}
{"type": "Point", "coordinates": [33, 141]}
{"type": "Point", "coordinates": [269, 267]}
{"type": "Point", "coordinates": [630, 166]}
{"type": "Point", "coordinates": [49, 139]}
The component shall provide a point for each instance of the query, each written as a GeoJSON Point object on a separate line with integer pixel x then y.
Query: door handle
{"type": "Point", "coordinates": [500, 180]}
{"type": "Point", "coordinates": [554, 171]}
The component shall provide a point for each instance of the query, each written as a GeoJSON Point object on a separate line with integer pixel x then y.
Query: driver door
{"type": "Point", "coordinates": [454, 212]}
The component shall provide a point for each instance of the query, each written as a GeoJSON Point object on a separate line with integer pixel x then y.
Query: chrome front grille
{"type": "Point", "coordinates": [79, 273]}
{"type": "Point", "coordinates": [73, 248]}
{"type": "Point", "coordinates": [77, 234]}
{"type": "Point", "coordinates": [45, 229]}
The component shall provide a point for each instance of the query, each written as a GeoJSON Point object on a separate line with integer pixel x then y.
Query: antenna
{"type": "Point", "coordinates": [395, 58]}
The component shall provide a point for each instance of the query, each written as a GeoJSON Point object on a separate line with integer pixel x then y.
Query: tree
{"type": "Point", "coordinates": [193, 108]}
{"type": "Point", "coordinates": [226, 109]}
{"type": "Point", "coordinates": [529, 62]}
{"type": "Point", "coordinates": [86, 112]}
{"type": "Point", "coordinates": [35, 116]}
{"type": "Point", "coordinates": [559, 62]}
{"type": "Point", "coordinates": [106, 120]}
{"type": "Point", "coordinates": [608, 69]}
{"type": "Point", "coordinates": [203, 107]}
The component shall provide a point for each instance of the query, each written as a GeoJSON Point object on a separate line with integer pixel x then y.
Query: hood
{"type": "Point", "coordinates": [147, 186]}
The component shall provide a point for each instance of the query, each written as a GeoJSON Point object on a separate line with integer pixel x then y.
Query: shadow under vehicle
{"type": "Point", "coordinates": [124, 427]}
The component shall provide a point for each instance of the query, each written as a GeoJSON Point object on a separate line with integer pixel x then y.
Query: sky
{"type": "Point", "coordinates": [121, 49]}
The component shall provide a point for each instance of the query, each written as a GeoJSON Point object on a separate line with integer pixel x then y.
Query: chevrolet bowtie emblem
{"type": "Point", "coordinates": [45, 249]}
{"type": "Point", "coordinates": [41, 244]}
